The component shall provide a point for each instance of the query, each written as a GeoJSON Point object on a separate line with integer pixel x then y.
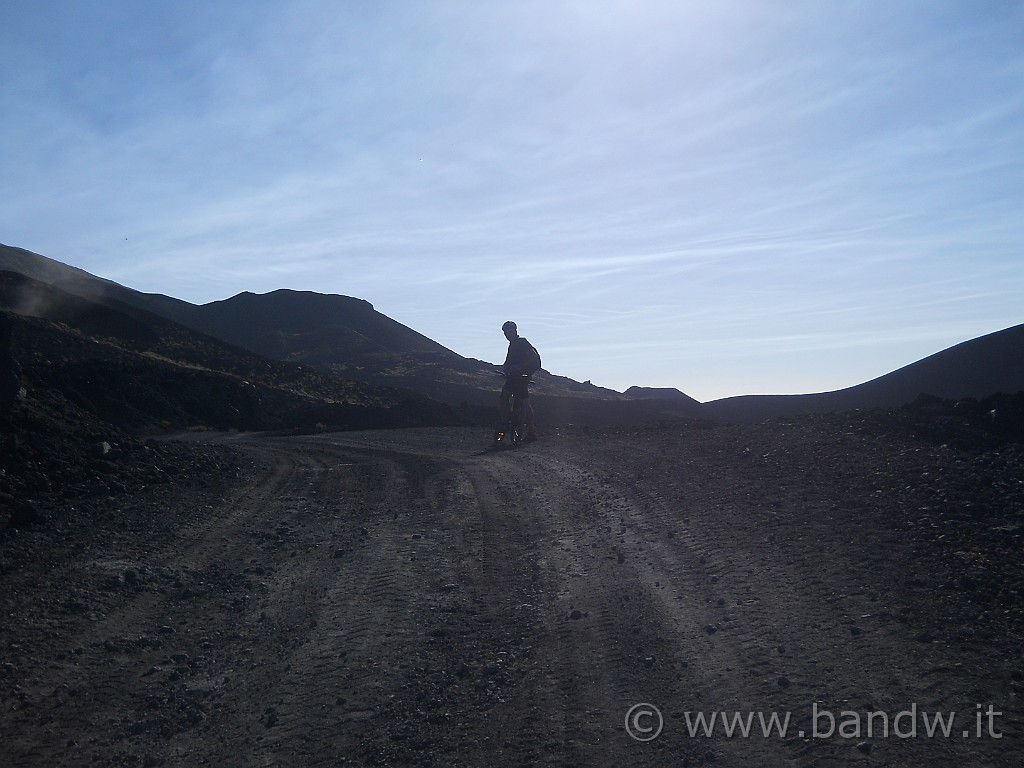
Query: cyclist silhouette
{"type": "Point", "coordinates": [521, 362]}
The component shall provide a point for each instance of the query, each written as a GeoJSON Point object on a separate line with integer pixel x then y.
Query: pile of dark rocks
{"type": "Point", "coordinates": [967, 423]}
{"type": "Point", "coordinates": [52, 452]}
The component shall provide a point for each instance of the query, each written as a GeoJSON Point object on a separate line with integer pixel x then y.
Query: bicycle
{"type": "Point", "coordinates": [513, 431]}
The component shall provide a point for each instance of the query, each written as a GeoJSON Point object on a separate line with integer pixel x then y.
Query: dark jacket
{"type": "Point", "coordinates": [522, 357]}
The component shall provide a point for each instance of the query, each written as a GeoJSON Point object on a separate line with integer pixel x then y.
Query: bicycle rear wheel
{"type": "Point", "coordinates": [517, 427]}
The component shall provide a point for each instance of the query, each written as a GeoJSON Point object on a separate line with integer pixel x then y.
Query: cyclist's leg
{"type": "Point", "coordinates": [515, 427]}
{"type": "Point", "coordinates": [531, 424]}
{"type": "Point", "coordinates": [528, 418]}
{"type": "Point", "coordinates": [504, 404]}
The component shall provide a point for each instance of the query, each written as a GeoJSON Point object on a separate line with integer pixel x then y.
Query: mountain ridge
{"type": "Point", "coordinates": [142, 371]}
{"type": "Point", "coordinates": [976, 368]}
{"type": "Point", "coordinates": [659, 393]}
{"type": "Point", "coordinates": [345, 336]}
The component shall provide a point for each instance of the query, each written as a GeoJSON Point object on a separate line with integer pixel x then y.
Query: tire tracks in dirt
{"type": "Point", "coordinates": [731, 579]}
{"type": "Point", "coordinates": [394, 598]}
{"type": "Point", "coordinates": [764, 539]}
{"type": "Point", "coordinates": [573, 637]}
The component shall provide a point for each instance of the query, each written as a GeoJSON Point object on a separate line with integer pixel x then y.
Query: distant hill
{"type": "Point", "coordinates": [310, 326]}
{"type": "Point", "coordinates": [973, 369]}
{"type": "Point", "coordinates": [659, 393]}
{"type": "Point", "coordinates": [345, 336]}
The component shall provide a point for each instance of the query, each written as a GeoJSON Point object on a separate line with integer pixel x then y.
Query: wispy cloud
{"type": "Point", "coordinates": [665, 193]}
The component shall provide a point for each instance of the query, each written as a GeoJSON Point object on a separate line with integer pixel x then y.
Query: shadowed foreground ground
{"type": "Point", "coordinates": [399, 598]}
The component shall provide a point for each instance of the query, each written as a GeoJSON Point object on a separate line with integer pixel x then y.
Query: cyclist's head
{"type": "Point", "coordinates": [510, 330]}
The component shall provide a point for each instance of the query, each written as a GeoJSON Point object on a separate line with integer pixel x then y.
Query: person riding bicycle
{"type": "Point", "coordinates": [521, 362]}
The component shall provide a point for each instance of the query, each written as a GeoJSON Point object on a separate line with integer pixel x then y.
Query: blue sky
{"type": "Point", "coordinates": [725, 197]}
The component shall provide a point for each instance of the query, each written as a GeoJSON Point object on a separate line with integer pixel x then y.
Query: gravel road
{"type": "Point", "coordinates": [403, 598]}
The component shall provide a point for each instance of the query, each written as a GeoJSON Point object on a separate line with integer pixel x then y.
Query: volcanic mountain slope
{"type": "Point", "coordinates": [299, 326]}
{"type": "Point", "coordinates": [142, 371]}
{"type": "Point", "coordinates": [348, 337]}
{"type": "Point", "coordinates": [978, 368]}
{"type": "Point", "coordinates": [345, 336]}
{"type": "Point", "coordinates": [340, 334]}
{"type": "Point", "coordinates": [658, 393]}
{"type": "Point", "coordinates": [81, 283]}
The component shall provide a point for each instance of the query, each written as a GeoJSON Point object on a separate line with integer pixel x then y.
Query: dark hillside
{"type": "Point", "coordinates": [313, 328]}
{"type": "Point", "coordinates": [143, 372]}
{"type": "Point", "coordinates": [81, 283]}
{"type": "Point", "coordinates": [250, 320]}
{"type": "Point", "coordinates": [659, 393]}
{"type": "Point", "coordinates": [47, 270]}
{"type": "Point", "coordinates": [977, 369]}
{"type": "Point", "coordinates": [341, 335]}
{"type": "Point", "coordinates": [347, 338]}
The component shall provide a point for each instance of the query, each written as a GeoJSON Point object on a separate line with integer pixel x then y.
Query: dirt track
{"type": "Point", "coordinates": [398, 598]}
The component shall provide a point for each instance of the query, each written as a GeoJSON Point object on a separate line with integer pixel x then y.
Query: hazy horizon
{"type": "Point", "coordinates": [737, 198]}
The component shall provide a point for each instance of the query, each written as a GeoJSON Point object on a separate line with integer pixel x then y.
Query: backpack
{"type": "Point", "coordinates": [534, 364]}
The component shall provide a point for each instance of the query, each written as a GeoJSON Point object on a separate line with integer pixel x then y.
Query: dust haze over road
{"type": "Point", "coordinates": [401, 598]}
